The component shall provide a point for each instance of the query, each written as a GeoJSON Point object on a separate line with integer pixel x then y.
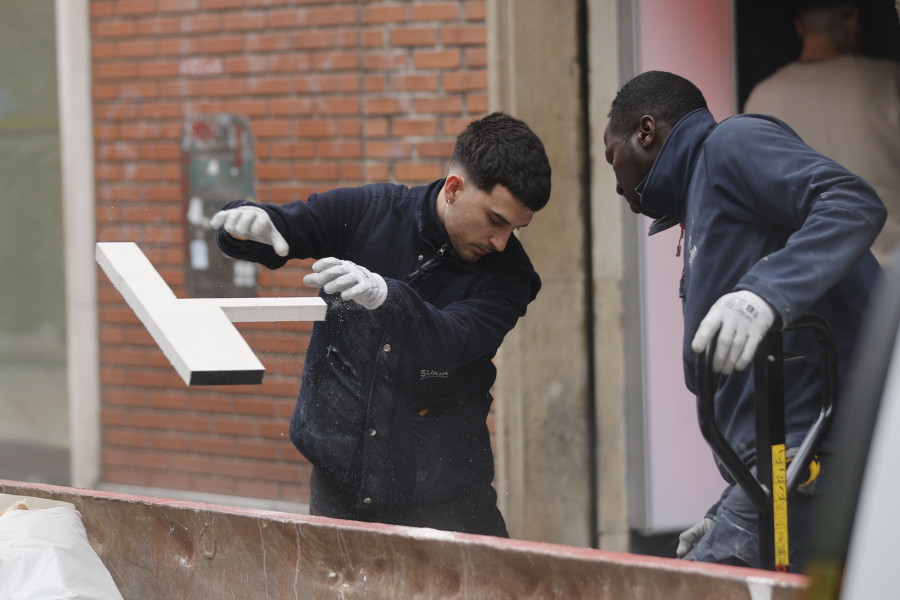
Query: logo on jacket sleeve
{"type": "Point", "coordinates": [432, 374]}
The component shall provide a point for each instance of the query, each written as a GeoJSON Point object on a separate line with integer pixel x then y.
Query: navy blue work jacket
{"type": "Point", "coordinates": [764, 212]}
{"type": "Point", "coordinates": [394, 401]}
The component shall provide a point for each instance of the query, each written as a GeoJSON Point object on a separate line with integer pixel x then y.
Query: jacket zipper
{"type": "Point", "coordinates": [427, 263]}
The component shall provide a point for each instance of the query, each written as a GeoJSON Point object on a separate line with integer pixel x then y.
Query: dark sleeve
{"type": "Point", "coordinates": [316, 228]}
{"type": "Point", "coordinates": [834, 215]}
{"type": "Point", "coordinates": [463, 330]}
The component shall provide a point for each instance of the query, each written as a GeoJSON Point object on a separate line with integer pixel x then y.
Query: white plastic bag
{"type": "Point", "coordinates": [45, 554]}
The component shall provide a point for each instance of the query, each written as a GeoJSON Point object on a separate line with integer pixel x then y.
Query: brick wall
{"type": "Point", "coordinates": [336, 93]}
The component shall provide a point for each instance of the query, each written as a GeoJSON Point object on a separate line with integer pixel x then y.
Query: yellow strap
{"type": "Point", "coordinates": [779, 507]}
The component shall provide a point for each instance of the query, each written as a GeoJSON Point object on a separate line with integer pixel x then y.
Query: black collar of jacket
{"type": "Point", "coordinates": [665, 187]}
{"type": "Point", "coordinates": [430, 227]}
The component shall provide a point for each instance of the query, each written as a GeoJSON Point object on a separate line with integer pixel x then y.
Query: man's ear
{"type": "Point", "coordinates": [455, 184]}
{"type": "Point", "coordinates": [647, 131]}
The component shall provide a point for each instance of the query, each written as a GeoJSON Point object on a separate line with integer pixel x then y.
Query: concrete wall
{"type": "Point", "coordinates": [563, 370]}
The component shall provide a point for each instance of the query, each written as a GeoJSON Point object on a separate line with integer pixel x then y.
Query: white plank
{"type": "Point", "coordinates": [196, 335]}
{"type": "Point", "coordinates": [258, 310]}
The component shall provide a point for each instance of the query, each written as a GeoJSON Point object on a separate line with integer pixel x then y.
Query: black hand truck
{"type": "Point", "coordinates": [775, 481]}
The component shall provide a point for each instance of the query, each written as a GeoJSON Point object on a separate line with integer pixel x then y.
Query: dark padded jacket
{"type": "Point", "coordinates": [394, 401]}
{"type": "Point", "coordinates": [764, 212]}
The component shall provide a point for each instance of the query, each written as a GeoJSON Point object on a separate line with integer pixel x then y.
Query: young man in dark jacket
{"type": "Point", "coordinates": [773, 230]}
{"type": "Point", "coordinates": [422, 285]}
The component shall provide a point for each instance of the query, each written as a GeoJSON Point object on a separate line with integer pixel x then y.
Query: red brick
{"type": "Point", "coordinates": [270, 42]}
{"type": "Point", "coordinates": [274, 429]}
{"type": "Point", "coordinates": [437, 11]}
{"type": "Point", "coordinates": [178, 47]}
{"type": "Point", "coordinates": [243, 21]}
{"type": "Point", "coordinates": [169, 441]}
{"type": "Point", "coordinates": [234, 426]}
{"type": "Point", "coordinates": [407, 127]}
{"type": "Point", "coordinates": [417, 172]}
{"type": "Point", "coordinates": [220, 4]}
{"type": "Point", "coordinates": [317, 172]}
{"type": "Point", "coordinates": [158, 69]}
{"type": "Point", "coordinates": [475, 58]}
{"type": "Point", "coordinates": [435, 149]}
{"type": "Point", "coordinates": [326, 83]}
{"type": "Point", "coordinates": [376, 127]}
{"type": "Point", "coordinates": [388, 59]}
{"type": "Point", "coordinates": [115, 71]}
{"type": "Point", "coordinates": [454, 125]}
{"type": "Point", "coordinates": [125, 475]}
{"type": "Point", "coordinates": [268, 86]}
{"type": "Point", "coordinates": [135, 7]}
{"type": "Point", "coordinates": [414, 83]}
{"type": "Point", "coordinates": [385, 106]}
{"type": "Point", "coordinates": [137, 48]}
{"type": "Point", "coordinates": [373, 38]}
{"type": "Point", "coordinates": [463, 35]}
{"type": "Point", "coordinates": [214, 446]}
{"type": "Point", "coordinates": [103, 50]}
{"type": "Point", "coordinates": [248, 108]}
{"type": "Point", "coordinates": [240, 65]}
{"type": "Point", "coordinates": [113, 29]}
{"type": "Point", "coordinates": [413, 36]}
{"type": "Point", "coordinates": [273, 171]}
{"type": "Point", "coordinates": [177, 5]}
{"type": "Point", "coordinates": [132, 439]}
{"type": "Point", "coordinates": [335, 15]}
{"type": "Point", "coordinates": [336, 61]}
{"type": "Point", "coordinates": [439, 105]}
{"type": "Point", "coordinates": [475, 10]}
{"type": "Point", "coordinates": [385, 13]}
{"type": "Point", "coordinates": [157, 26]}
{"type": "Point", "coordinates": [374, 171]}
{"type": "Point", "coordinates": [350, 173]}
{"type": "Point", "coordinates": [346, 38]}
{"type": "Point", "coordinates": [288, 19]}
{"type": "Point", "coordinates": [337, 105]}
{"type": "Point", "coordinates": [387, 149]}
{"type": "Point", "coordinates": [256, 449]}
{"type": "Point", "coordinates": [437, 59]}
{"type": "Point", "coordinates": [222, 87]}
{"type": "Point", "coordinates": [477, 103]}
{"type": "Point", "coordinates": [293, 150]}
{"type": "Point", "coordinates": [101, 8]}
{"type": "Point", "coordinates": [465, 80]}
{"type": "Point", "coordinates": [255, 489]}
{"type": "Point", "coordinates": [223, 45]}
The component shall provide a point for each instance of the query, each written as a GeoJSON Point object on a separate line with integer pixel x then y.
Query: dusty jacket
{"type": "Point", "coordinates": [394, 401]}
{"type": "Point", "coordinates": [763, 212]}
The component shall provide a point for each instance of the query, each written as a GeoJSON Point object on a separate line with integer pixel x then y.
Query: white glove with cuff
{"type": "Point", "coordinates": [689, 538]}
{"type": "Point", "coordinates": [353, 281]}
{"type": "Point", "coordinates": [250, 223]}
{"type": "Point", "coordinates": [742, 320]}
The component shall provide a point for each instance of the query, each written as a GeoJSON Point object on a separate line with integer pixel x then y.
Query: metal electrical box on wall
{"type": "Point", "coordinates": [218, 162]}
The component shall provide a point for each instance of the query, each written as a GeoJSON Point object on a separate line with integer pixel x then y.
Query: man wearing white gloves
{"type": "Point", "coordinates": [422, 285]}
{"type": "Point", "coordinates": [773, 230]}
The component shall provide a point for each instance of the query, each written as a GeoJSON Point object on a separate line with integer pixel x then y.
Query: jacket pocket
{"type": "Point", "coordinates": [452, 451]}
{"type": "Point", "coordinates": [328, 419]}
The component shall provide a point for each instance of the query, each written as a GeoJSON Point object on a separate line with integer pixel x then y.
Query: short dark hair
{"type": "Point", "coordinates": [501, 149]}
{"type": "Point", "coordinates": [664, 96]}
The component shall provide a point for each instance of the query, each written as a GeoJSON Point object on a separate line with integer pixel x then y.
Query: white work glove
{"type": "Point", "coordinates": [353, 281]}
{"type": "Point", "coordinates": [689, 538]}
{"type": "Point", "coordinates": [742, 320]}
{"type": "Point", "coordinates": [250, 223]}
